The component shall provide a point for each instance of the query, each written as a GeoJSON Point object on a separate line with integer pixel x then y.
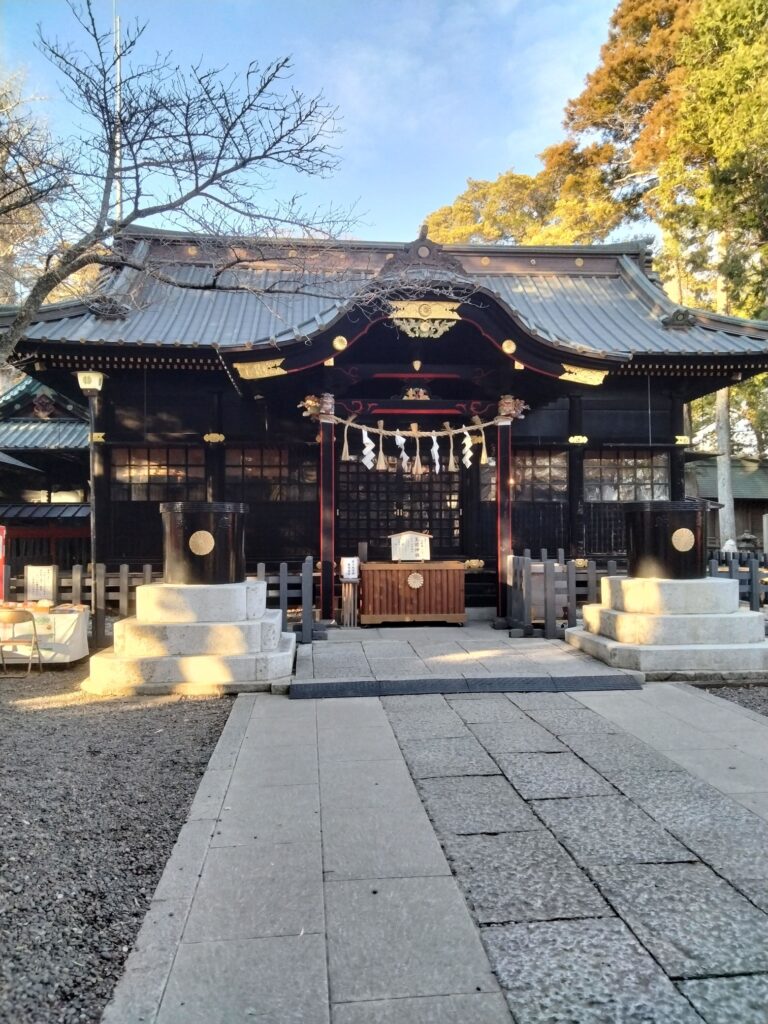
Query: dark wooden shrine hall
{"type": "Point", "coordinates": [210, 349]}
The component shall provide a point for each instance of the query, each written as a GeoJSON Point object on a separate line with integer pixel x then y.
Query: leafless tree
{"type": "Point", "coordinates": [195, 150]}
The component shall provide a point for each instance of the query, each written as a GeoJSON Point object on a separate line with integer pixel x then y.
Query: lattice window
{"type": "Point", "coordinates": [626, 475]}
{"type": "Point", "coordinates": [270, 474]}
{"type": "Point", "coordinates": [157, 474]}
{"type": "Point", "coordinates": [537, 475]}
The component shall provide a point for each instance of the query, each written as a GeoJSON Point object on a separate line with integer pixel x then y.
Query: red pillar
{"type": "Point", "coordinates": [503, 508]}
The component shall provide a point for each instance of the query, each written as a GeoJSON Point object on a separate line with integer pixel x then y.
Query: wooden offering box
{"type": "Point", "coordinates": [412, 592]}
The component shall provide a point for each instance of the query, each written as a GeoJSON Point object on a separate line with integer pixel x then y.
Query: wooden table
{"type": "Point", "coordinates": [412, 592]}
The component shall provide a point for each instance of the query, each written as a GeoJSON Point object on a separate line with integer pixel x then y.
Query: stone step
{"type": "Point", "coordinates": [669, 597]}
{"type": "Point", "coordinates": [159, 640]}
{"type": "Point", "coordinates": [665, 658]}
{"type": "Point", "coordinates": [113, 673]}
{"type": "Point", "coordinates": [165, 603]}
{"type": "Point", "coordinates": [739, 627]}
{"type": "Point", "coordinates": [181, 689]}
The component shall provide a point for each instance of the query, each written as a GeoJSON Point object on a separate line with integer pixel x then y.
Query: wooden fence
{"type": "Point", "coordinates": [549, 592]}
{"type": "Point", "coordinates": [115, 595]}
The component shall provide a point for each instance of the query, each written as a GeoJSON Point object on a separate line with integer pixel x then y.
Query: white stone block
{"type": "Point", "coordinates": [740, 627]}
{"type": "Point", "coordinates": [206, 669]}
{"type": "Point", "coordinates": [271, 627]}
{"type": "Point", "coordinates": [256, 598]}
{"type": "Point", "coordinates": [177, 602]}
{"type": "Point", "coordinates": [671, 658]}
{"type": "Point", "coordinates": [277, 663]}
{"type": "Point", "coordinates": [159, 640]}
{"type": "Point", "coordinates": [670, 597]}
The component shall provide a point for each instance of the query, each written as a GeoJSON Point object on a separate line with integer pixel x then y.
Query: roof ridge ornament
{"type": "Point", "coordinates": [423, 254]}
{"type": "Point", "coordinates": [108, 307]}
{"type": "Point", "coordinates": [679, 317]}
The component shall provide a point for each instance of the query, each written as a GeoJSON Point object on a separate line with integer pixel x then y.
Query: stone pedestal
{"type": "Point", "coordinates": [674, 629]}
{"type": "Point", "coordinates": [196, 639]}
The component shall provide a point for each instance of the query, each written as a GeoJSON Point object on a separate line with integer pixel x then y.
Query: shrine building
{"type": "Point", "coordinates": [497, 397]}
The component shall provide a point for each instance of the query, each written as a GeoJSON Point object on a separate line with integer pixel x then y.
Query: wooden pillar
{"type": "Point", "coordinates": [99, 479]}
{"type": "Point", "coordinates": [677, 455]}
{"type": "Point", "coordinates": [215, 453]}
{"type": "Point", "coordinates": [503, 508]}
{"type": "Point", "coordinates": [576, 532]}
{"type": "Point", "coordinates": [327, 515]}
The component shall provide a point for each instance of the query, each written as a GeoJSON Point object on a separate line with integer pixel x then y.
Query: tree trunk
{"type": "Point", "coordinates": [727, 516]}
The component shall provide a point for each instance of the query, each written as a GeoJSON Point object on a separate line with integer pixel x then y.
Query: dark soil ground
{"type": "Point", "coordinates": [93, 792]}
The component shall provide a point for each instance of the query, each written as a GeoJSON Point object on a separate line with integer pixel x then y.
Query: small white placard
{"type": "Point", "coordinates": [40, 582]}
{"type": "Point", "coordinates": [410, 546]}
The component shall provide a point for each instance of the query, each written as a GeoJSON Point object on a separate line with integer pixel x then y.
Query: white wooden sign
{"type": "Point", "coordinates": [410, 546]}
{"type": "Point", "coordinates": [41, 582]}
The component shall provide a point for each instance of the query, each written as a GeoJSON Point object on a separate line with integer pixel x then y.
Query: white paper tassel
{"type": "Point", "coordinates": [368, 458]}
{"type": "Point", "coordinates": [404, 460]}
{"type": "Point", "coordinates": [466, 446]}
{"type": "Point", "coordinates": [436, 453]}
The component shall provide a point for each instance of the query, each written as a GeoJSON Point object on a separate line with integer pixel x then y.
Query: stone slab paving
{"type": "Point", "coordinates": [611, 877]}
{"type": "Point", "coordinates": [389, 660]}
{"type": "Point", "coordinates": [610, 883]}
{"type": "Point", "coordinates": [308, 886]}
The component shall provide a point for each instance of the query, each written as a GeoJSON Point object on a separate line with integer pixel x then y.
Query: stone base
{"type": "Point", "coordinates": [161, 640]}
{"type": "Point", "coordinates": [654, 659]}
{"type": "Point", "coordinates": [639, 596]}
{"type": "Point", "coordinates": [664, 630]}
{"type": "Point", "coordinates": [196, 640]}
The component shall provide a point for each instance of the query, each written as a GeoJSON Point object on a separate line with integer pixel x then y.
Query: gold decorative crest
{"type": "Point", "coordinates": [262, 369]}
{"type": "Point", "coordinates": [425, 319]}
{"type": "Point", "coordinates": [581, 375]}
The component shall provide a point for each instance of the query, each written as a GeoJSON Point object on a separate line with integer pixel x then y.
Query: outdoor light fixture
{"type": "Point", "coordinates": [90, 382]}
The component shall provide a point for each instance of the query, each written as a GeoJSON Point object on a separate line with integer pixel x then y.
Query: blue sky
{"type": "Point", "coordinates": [431, 92]}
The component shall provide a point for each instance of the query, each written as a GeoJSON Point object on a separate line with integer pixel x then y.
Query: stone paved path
{"type": "Point", "coordinates": [609, 883]}
{"type": "Point", "coordinates": [593, 876]}
{"type": "Point", "coordinates": [359, 662]}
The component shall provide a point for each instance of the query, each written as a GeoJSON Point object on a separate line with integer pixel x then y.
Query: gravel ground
{"type": "Point", "coordinates": [753, 697]}
{"type": "Point", "coordinates": [93, 792]}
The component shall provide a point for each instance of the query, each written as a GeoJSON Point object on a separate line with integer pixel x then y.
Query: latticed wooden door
{"type": "Point", "coordinates": [372, 504]}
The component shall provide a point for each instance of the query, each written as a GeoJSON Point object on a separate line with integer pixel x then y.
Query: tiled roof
{"type": "Point", "coordinates": [14, 511]}
{"type": "Point", "coordinates": [21, 435]}
{"type": "Point", "coordinates": [608, 306]}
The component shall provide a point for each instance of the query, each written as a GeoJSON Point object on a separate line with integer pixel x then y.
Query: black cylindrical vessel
{"type": "Point", "coordinates": [666, 538]}
{"type": "Point", "coordinates": [203, 541]}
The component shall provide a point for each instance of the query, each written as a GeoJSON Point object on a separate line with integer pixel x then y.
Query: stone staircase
{"type": "Point", "coordinates": [196, 640]}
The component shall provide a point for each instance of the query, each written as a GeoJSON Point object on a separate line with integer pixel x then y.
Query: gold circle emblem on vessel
{"type": "Point", "coordinates": [201, 542]}
{"type": "Point", "coordinates": [683, 539]}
